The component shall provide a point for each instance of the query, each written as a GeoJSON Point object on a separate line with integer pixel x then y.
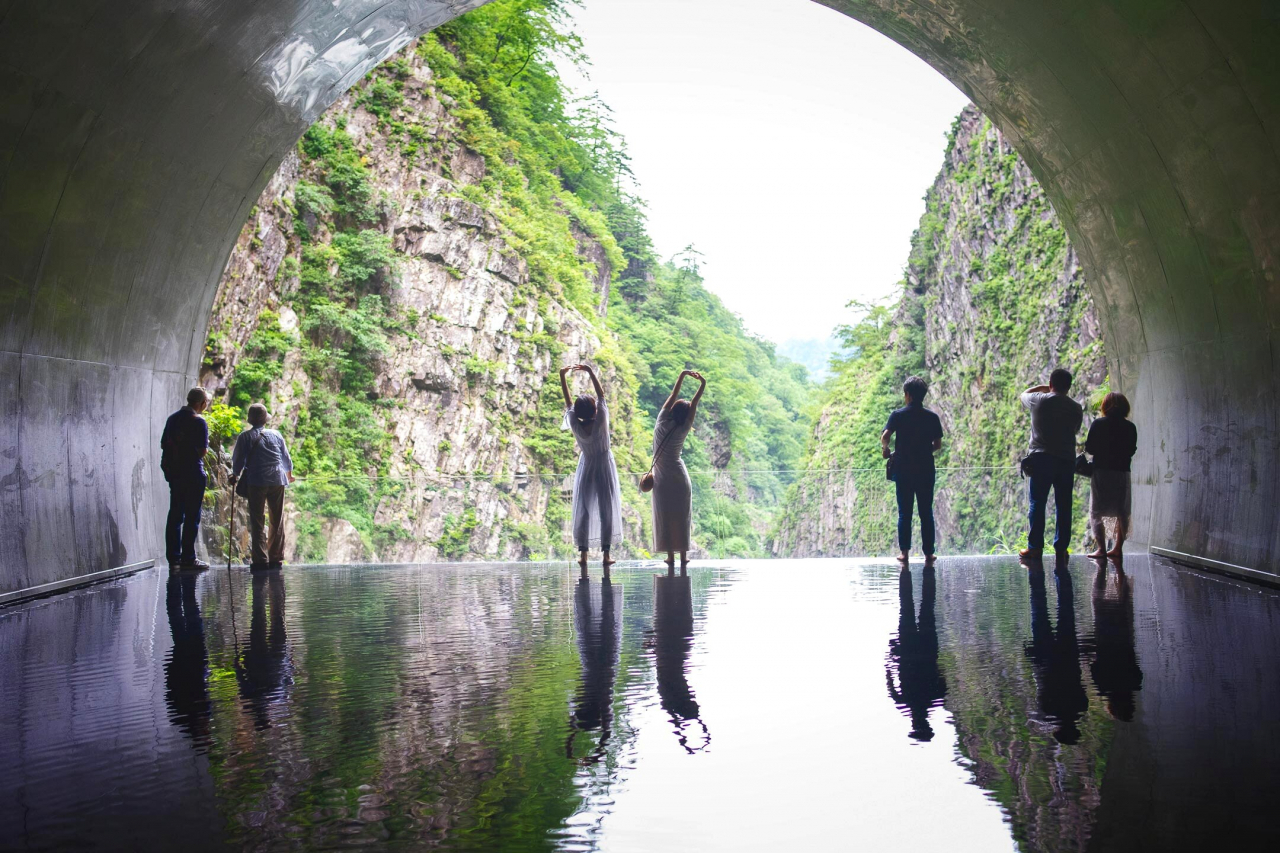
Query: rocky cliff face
{"type": "Point", "coordinates": [993, 299]}
{"type": "Point", "coordinates": [460, 403]}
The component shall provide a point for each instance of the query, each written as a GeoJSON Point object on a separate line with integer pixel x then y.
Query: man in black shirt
{"type": "Point", "coordinates": [1055, 421]}
{"type": "Point", "coordinates": [918, 436]}
{"type": "Point", "coordinates": [183, 444]}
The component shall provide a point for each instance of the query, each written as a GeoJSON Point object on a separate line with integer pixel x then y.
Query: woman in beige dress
{"type": "Point", "coordinates": [597, 503]}
{"type": "Point", "coordinates": [672, 491]}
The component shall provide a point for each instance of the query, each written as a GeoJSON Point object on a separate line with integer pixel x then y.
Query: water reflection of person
{"type": "Point", "coordinates": [1113, 658]}
{"type": "Point", "coordinates": [264, 672]}
{"type": "Point", "coordinates": [913, 655]}
{"type": "Point", "coordinates": [186, 673]}
{"type": "Point", "coordinates": [598, 619]}
{"type": "Point", "coordinates": [1055, 656]}
{"type": "Point", "coordinates": [672, 640]}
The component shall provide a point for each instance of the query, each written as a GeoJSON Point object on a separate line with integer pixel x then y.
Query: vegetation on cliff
{"type": "Point", "coordinates": [991, 300]}
{"type": "Point", "coordinates": [469, 137]}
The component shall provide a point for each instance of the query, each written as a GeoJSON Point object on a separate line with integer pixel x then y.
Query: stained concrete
{"type": "Point", "coordinates": [135, 136]}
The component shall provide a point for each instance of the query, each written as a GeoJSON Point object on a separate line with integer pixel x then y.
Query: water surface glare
{"type": "Point", "coordinates": [781, 705]}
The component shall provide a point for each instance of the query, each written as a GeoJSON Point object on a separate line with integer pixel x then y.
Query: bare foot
{"type": "Point", "coordinates": [930, 559]}
{"type": "Point", "coordinates": [1097, 555]}
{"type": "Point", "coordinates": [1115, 554]}
{"type": "Point", "coordinates": [902, 558]}
{"type": "Point", "coordinates": [607, 562]}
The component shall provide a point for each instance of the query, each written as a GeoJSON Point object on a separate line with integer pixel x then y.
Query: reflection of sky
{"type": "Point", "coordinates": [808, 752]}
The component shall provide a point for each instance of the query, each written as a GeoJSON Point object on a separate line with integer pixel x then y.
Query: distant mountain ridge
{"type": "Point", "coordinates": [813, 353]}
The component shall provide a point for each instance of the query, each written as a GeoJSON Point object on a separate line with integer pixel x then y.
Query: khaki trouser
{"type": "Point", "coordinates": [270, 498]}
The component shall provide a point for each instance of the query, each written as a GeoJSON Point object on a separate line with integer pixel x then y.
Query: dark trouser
{"type": "Point", "coordinates": [915, 487]}
{"type": "Point", "coordinates": [270, 499]}
{"type": "Point", "coordinates": [186, 494]}
{"type": "Point", "coordinates": [1059, 474]}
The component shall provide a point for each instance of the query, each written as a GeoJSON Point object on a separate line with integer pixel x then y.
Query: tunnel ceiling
{"type": "Point", "coordinates": [135, 136]}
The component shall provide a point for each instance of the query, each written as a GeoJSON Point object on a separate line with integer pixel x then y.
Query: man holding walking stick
{"type": "Point", "coordinates": [262, 458]}
{"type": "Point", "coordinates": [183, 444]}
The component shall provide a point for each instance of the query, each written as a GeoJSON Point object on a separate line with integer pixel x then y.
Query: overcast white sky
{"type": "Point", "coordinates": [790, 144]}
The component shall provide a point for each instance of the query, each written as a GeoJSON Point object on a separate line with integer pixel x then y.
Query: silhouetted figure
{"type": "Point", "coordinates": [913, 655]}
{"type": "Point", "coordinates": [183, 444]}
{"type": "Point", "coordinates": [261, 456]}
{"type": "Point", "coordinates": [186, 672]}
{"type": "Point", "coordinates": [597, 499]}
{"type": "Point", "coordinates": [1050, 462]}
{"type": "Point", "coordinates": [672, 640]}
{"type": "Point", "coordinates": [1112, 440]}
{"type": "Point", "coordinates": [917, 436]}
{"type": "Point", "coordinates": [1111, 652]}
{"type": "Point", "coordinates": [265, 671]}
{"type": "Point", "coordinates": [598, 619]}
{"type": "Point", "coordinates": [1055, 656]}
{"type": "Point", "coordinates": [669, 479]}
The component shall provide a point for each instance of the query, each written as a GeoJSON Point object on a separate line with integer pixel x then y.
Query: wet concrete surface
{"type": "Point", "coordinates": [815, 704]}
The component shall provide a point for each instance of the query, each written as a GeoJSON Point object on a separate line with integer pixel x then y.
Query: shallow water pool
{"type": "Point", "coordinates": [781, 705]}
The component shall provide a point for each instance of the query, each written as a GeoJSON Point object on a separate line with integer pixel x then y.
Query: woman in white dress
{"type": "Point", "coordinates": [597, 502]}
{"type": "Point", "coordinates": [672, 491]}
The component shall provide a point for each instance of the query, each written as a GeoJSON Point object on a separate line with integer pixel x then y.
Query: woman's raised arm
{"type": "Point", "coordinates": [595, 381]}
{"type": "Point", "coordinates": [564, 385]}
{"type": "Point", "coordinates": [675, 391]}
{"type": "Point", "coordinates": [693, 406]}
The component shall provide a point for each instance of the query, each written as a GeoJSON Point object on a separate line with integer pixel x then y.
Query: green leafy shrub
{"type": "Point", "coordinates": [455, 540]}
{"type": "Point", "coordinates": [262, 362]}
{"type": "Point", "coordinates": [310, 200]}
{"type": "Point", "coordinates": [224, 424]}
{"type": "Point", "coordinates": [382, 97]}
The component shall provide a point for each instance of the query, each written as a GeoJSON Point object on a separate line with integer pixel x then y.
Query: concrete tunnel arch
{"type": "Point", "coordinates": [135, 137]}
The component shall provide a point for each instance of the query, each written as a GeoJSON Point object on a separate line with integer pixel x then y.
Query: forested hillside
{"type": "Point", "coordinates": [447, 235]}
{"type": "Point", "coordinates": [992, 299]}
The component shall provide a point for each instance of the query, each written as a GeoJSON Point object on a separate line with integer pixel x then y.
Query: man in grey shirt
{"type": "Point", "coordinates": [1055, 423]}
{"type": "Point", "coordinates": [262, 457]}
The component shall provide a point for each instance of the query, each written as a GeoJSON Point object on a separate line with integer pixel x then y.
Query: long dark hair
{"type": "Point", "coordinates": [584, 409]}
{"type": "Point", "coordinates": [680, 411]}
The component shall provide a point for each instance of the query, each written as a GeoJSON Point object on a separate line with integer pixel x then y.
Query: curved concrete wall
{"type": "Point", "coordinates": [134, 137]}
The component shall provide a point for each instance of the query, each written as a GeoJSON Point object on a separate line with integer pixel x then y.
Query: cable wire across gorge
{"type": "Point", "coordinates": [480, 475]}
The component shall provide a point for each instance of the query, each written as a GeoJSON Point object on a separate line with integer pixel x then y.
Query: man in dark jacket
{"type": "Point", "coordinates": [183, 444]}
{"type": "Point", "coordinates": [917, 436]}
{"type": "Point", "coordinates": [1055, 423]}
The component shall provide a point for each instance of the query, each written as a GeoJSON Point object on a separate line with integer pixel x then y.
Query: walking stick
{"type": "Point", "coordinates": [231, 531]}
{"type": "Point", "coordinates": [231, 587]}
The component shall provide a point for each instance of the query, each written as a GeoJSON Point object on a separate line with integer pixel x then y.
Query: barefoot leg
{"type": "Point", "coordinates": [582, 563]}
{"type": "Point", "coordinates": [684, 563]}
{"type": "Point", "coordinates": [1122, 533]}
{"type": "Point", "coordinates": [1100, 536]}
{"type": "Point", "coordinates": [606, 563]}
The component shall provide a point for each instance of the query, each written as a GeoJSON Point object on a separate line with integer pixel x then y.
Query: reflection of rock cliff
{"type": "Point", "coordinates": [1012, 683]}
{"type": "Point", "coordinates": [411, 712]}
{"type": "Point", "coordinates": [993, 299]}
